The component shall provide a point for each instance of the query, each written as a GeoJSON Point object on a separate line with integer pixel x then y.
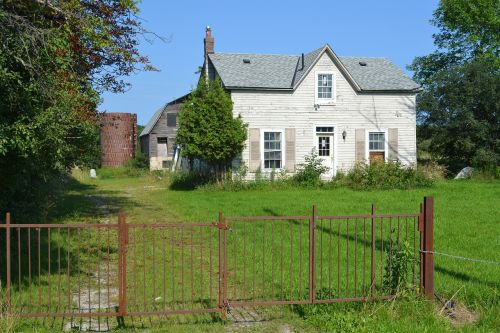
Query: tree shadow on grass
{"type": "Point", "coordinates": [378, 245]}
{"type": "Point", "coordinates": [87, 201]}
{"type": "Point", "coordinates": [66, 251]}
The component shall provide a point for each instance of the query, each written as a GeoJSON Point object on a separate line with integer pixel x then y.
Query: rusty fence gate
{"type": "Point", "coordinates": [126, 269]}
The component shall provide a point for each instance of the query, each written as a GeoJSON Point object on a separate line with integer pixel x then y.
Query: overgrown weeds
{"type": "Point", "coordinates": [383, 176]}
{"type": "Point", "coordinates": [398, 262]}
{"type": "Point", "coordinates": [434, 170]}
{"type": "Point", "coordinates": [363, 177]}
{"type": "Point", "coordinates": [8, 321]}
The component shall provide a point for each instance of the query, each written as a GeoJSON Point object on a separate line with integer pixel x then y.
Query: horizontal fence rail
{"type": "Point", "coordinates": [124, 269]}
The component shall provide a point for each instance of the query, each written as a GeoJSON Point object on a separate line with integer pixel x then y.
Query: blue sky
{"type": "Point", "coordinates": [396, 29]}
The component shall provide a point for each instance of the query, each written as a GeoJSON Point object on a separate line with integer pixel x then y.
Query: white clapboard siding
{"type": "Point", "coordinates": [351, 111]}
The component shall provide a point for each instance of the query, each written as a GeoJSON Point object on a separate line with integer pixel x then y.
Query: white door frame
{"type": "Point", "coordinates": [333, 170]}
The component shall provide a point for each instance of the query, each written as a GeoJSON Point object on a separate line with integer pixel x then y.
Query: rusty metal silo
{"type": "Point", "coordinates": [118, 138]}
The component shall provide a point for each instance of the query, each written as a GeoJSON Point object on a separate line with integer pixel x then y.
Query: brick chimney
{"type": "Point", "coordinates": [208, 41]}
{"type": "Point", "coordinates": [208, 49]}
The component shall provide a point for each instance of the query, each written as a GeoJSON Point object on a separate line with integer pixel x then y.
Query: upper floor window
{"type": "Point", "coordinates": [171, 119]}
{"type": "Point", "coordinates": [325, 86]}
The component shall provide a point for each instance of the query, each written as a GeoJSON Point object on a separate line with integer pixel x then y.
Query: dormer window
{"type": "Point", "coordinates": [325, 87]}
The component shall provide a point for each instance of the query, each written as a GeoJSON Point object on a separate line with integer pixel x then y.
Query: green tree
{"type": "Point", "coordinates": [457, 110]}
{"type": "Point", "coordinates": [55, 59]}
{"type": "Point", "coordinates": [207, 129]}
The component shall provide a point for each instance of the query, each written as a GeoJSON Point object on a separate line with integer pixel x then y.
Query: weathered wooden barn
{"type": "Point", "coordinates": [158, 137]}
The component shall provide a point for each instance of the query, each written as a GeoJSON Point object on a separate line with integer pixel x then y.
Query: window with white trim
{"type": "Point", "coordinates": [376, 147]}
{"type": "Point", "coordinates": [324, 86]}
{"type": "Point", "coordinates": [272, 150]}
{"type": "Point", "coordinates": [376, 141]}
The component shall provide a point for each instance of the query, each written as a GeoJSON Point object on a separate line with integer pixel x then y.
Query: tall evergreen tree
{"type": "Point", "coordinates": [208, 131]}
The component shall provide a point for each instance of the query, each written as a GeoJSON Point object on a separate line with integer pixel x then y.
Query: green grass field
{"type": "Point", "coordinates": [466, 224]}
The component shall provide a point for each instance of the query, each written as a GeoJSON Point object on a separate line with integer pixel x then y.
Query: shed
{"type": "Point", "coordinates": [158, 137]}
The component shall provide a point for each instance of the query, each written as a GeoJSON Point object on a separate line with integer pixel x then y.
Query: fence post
{"type": "Point", "coordinates": [7, 253]}
{"type": "Point", "coordinates": [421, 230]}
{"type": "Point", "coordinates": [225, 301]}
{"type": "Point", "coordinates": [312, 255]}
{"type": "Point", "coordinates": [122, 267]}
{"type": "Point", "coordinates": [373, 253]}
{"type": "Point", "coordinates": [428, 248]}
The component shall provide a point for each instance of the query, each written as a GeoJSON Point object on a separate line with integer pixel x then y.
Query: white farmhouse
{"type": "Point", "coordinates": [350, 109]}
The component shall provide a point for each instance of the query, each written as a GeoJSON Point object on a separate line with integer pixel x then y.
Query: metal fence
{"type": "Point", "coordinates": [102, 270]}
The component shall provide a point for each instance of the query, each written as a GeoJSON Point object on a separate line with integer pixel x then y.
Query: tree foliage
{"type": "Point", "coordinates": [458, 108]}
{"type": "Point", "coordinates": [55, 59]}
{"type": "Point", "coordinates": [459, 113]}
{"type": "Point", "coordinates": [207, 129]}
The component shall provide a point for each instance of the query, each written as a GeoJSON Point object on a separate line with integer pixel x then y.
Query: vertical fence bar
{"type": "Point", "coordinates": [312, 255]}
{"type": "Point", "coordinates": [225, 274]}
{"type": "Point", "coordinates": [122, 265]}
{"type": "Point", "coordinates": [7, 253]}
{"type": "Point", "coordinates": [220, 226]}
{"type": "Point", "coordinates": [373, 265]}
{"type": "Point", "coordinates": [428, 248]}
{"type": "Point", "coordinates": [421, 230]}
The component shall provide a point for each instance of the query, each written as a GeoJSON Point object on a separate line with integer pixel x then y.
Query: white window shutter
{"type": "Point", "coordinates": [360, 144]}
{"type": "Point", "coordinates": [290, 149]}
{"type": "Point", "coordinates": [254, 163]}
{"type": "Point", "coordinates": [393, 144]}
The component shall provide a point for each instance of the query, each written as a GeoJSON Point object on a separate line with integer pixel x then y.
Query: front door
{"type": "Point", "coordinates": [324, 148]}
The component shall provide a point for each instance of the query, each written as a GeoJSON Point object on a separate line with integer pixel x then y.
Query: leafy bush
{"type": "Point", "coordinates": [309, 173]}
{"type": "Point", "coordinates": [140, 161]}
{"type": "Point", "coordinates": [391, 175]}
{"type": "Point", "coordinates": [137, 166]}
{"type": "Point", "coordinates": [397, 267]}
{"type": "Point", "coordinates": [185, 181]}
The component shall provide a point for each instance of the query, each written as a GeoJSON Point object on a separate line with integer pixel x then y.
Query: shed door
{"type": "Point", "coordinates": [162, 147]}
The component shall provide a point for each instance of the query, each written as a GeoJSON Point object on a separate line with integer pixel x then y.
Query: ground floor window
{"type": "Point", "coordinates": [376, 147]}
{"type": "Point", "coordinates": [273, 150]}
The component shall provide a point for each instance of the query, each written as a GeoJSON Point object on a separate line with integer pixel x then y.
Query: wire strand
{"type": "Point", "coordinates": [463, 258]}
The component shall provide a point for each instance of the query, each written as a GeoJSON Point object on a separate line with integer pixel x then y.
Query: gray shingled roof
{"type": "Point", "coordinates": [151, 123]}
{"type": "Point", "coordinates": [284, 72]}
{"type": "Point", "coordinates": [309, 59]}
{"type": "Point", "coordinates": [378, 74]}
{"type": "Point", "coordinates": [263, 71]}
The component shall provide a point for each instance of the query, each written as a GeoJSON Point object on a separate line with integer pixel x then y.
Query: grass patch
{"type": "Point", "coordinates": [466, 223]}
